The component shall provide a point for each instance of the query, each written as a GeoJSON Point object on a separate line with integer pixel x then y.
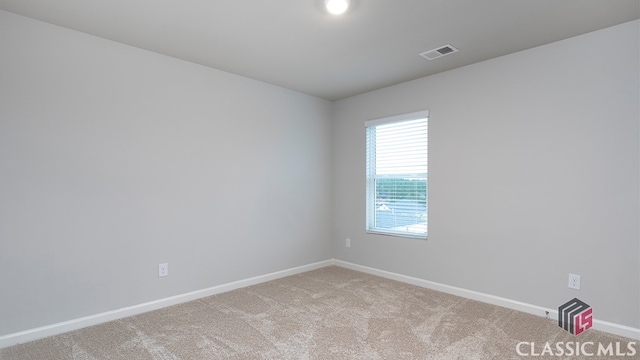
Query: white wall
{"type": "Point", "coordinates": [533, 174]}
{"type": "Point", "coordinates": [115, 159]}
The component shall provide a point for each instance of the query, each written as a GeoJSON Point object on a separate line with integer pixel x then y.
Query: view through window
{"type": "Point", "coordinates": [397, 190]}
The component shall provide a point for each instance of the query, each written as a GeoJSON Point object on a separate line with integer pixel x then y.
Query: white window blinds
{"type": "Point", "coordinates": [397, 166]}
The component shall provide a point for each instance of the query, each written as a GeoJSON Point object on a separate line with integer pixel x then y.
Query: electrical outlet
{"type": "Point", "coordinates": [163, 270]}
{"type": "Point", "coordinates": [574, 281]}
{"type": "Point", "coordinates": [348, 243]}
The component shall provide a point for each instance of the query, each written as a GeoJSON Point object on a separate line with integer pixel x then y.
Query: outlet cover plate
{"type": "Point", "coordinates": [163, 270]}
{"type": "Point", "coordinates": [574, 281]}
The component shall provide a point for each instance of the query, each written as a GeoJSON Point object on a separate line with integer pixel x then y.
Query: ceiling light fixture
{"type": "Point", "coordinates": [336, 7]}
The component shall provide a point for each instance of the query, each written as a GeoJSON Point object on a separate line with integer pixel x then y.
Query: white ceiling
{"type": "Point", "coordinates": [297, 45]}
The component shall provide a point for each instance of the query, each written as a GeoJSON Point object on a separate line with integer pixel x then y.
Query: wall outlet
{"type": "Point", "coordinates": [574, 281]}
{"type": "Point", "coordinates": [163, 270]}
{"type": "Point", "coordinates": [348, 243]}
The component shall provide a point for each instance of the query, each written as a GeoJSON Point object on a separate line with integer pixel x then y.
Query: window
{"type": "Point", "coordinates": [397, 175]}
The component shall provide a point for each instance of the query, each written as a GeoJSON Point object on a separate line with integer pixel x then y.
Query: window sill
{"type": "Point", "coordinates": [394, 234]}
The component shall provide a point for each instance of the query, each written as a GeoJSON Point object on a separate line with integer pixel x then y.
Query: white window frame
{"type": "Point", "coordinates": [371, 177]}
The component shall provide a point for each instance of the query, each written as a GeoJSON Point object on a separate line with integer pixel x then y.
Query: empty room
{"type": "Point", "coordinates": [311, 179]}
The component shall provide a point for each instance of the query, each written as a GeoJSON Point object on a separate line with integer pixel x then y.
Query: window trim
{"type": "Point", "coordinates": [370, 196]}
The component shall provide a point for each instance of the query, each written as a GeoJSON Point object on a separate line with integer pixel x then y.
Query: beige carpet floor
{"type": "Point", "coordinates": [329, 313]}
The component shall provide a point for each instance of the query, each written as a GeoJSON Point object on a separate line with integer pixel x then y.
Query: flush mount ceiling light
{"type": "Point", "coordinates": [336, 7]}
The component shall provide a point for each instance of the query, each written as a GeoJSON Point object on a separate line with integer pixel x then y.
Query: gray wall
{"type": "Point", "coordinates": [115, 159]}
{"type": "Point", "coordinates": [533, 174]}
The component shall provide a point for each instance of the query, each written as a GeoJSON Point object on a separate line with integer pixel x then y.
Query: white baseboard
{"type": "Point", "coordinates": [604, 326]}
{"type": "Point", "coordinates": [75, 324]}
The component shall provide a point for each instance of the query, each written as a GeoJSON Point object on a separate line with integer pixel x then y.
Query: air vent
{"type": "Point", "coordinates": [439, 52]}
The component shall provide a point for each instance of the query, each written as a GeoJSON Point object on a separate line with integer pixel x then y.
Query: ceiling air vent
{"type": "Point", "coordinates": [439, 52]}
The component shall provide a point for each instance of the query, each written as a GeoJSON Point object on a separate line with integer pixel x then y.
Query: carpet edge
{"type": "Point", "coordinates": [604, 326]}
{"type": "Point", "coordinates": [100, 318]}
